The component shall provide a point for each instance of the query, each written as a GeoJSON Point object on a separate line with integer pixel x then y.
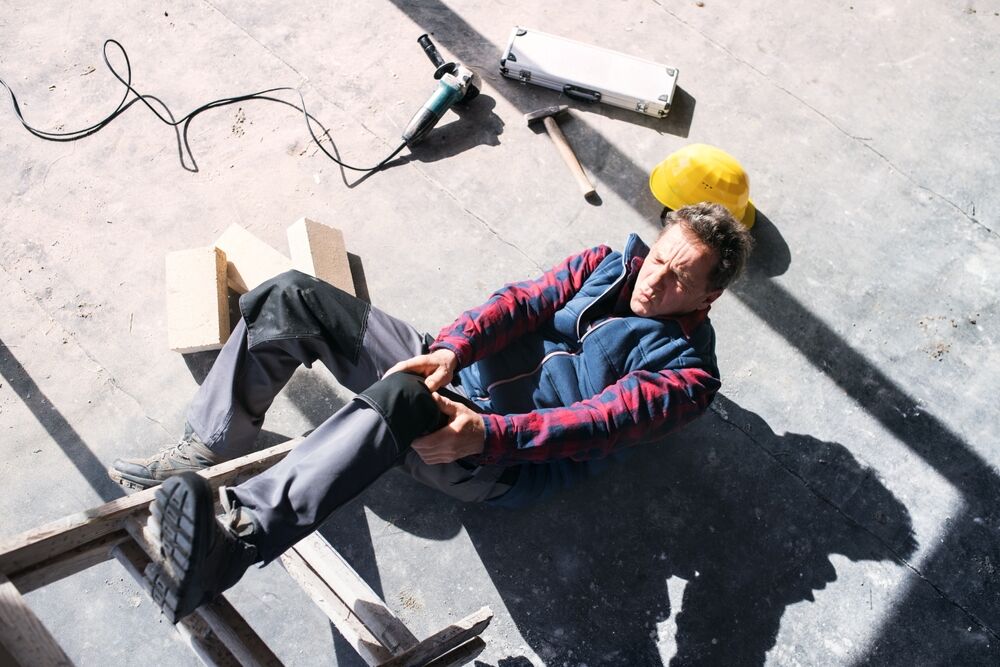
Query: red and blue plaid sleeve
{"type": "Point", "coordinates": [517, 309]}
{"type": "Point", "coordinates": [642, 406]}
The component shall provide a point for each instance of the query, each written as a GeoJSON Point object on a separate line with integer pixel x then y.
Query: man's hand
{"type": "Point", "coordinates": [462, 436]}
{"type": "Point", "coordinates": [438, 367]}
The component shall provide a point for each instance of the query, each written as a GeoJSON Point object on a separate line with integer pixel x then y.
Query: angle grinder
{"type": "Point", "coordinates": [457, 84]}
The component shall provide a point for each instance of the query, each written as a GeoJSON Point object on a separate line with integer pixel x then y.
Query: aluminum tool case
{"type": "Point", "coordinates": [589, 73]}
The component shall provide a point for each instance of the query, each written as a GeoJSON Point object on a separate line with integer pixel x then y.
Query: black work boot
{"type": "Point", "coordinates": [188, 454]}
{"type": "Point", "coordinates": [200, 556]}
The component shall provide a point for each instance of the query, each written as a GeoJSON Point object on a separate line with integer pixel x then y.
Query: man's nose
{"type": "Point", "coordinates": [657, 279]}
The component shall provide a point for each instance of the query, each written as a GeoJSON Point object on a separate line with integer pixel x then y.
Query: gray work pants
{"type": "Point", "coordinates": [294, 320]}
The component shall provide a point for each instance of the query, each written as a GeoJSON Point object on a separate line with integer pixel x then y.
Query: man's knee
{"type": "Point", "coordinates": [292, 285]}
{"type": "Point", "coordinates": [293, 280]}
{"type": "Point", "coordinates": [406, 404]}
{"type": "Point", "coordinates": [294, 303]}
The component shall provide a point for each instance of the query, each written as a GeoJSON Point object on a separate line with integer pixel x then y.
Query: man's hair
{"type": "Point", "coordinates": [716, 228]}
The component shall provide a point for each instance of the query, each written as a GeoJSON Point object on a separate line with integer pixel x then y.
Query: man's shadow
{"type": "Point", "coordinates": [689, 551]}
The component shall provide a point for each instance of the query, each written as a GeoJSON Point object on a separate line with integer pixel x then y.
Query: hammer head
{"type": "Point", "coordinates": [556, 110]}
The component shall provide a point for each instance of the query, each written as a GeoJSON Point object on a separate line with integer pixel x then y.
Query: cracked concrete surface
{"type": "Point", "coordinates": [838, 505]}
{"type": "Point", "coordinates": [890, 548]}
{"type": "Point", "coordinates": [861, 140]}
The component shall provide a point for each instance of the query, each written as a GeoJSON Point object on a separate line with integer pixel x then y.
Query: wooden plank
{"type": "Point", "coordinates": [193, 629]}
{"type": "Point", "coordinates": [443, 641]}
{"type": "Point", "coordinates": [462, 655]}
{"type": "Point", "coordinates": [346, 622]}
{"type": "Point", "coordinates": [77, 530]}
{"type": "Point", "coordinates": [237, 635]}
{"type": "Point", "coordinates": [204, 643]}
{"type": "Point", "coordinates": [68, 563]}
{"type": "Point", "coordinates": [250, 260]}
{"type": "Point", "coordinates": [341, 578]}
{"type": "Point", "coordinates": [319, 250]}
{"type": "Point", "coordinates": [138, 528]}
{"type": "Point", "coordinates": [197, 300]}
{"type": "Point", "coordinates": [24, 638]}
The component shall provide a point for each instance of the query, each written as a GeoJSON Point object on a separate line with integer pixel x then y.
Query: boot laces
{"type": "Point", "coordinates": [181, 450]}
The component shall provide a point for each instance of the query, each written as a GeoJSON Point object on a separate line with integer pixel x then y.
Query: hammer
{"type": "Point", "coordinates": [548, 116]}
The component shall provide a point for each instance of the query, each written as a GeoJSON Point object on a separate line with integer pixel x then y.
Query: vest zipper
{"type": "Point", "coordinates": [579, 317]}
{"type": "Point", "coordinates": [556, 353]}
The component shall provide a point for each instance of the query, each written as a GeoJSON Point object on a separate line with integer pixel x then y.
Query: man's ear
{"type": "Point", "coordinates": [709, 298]}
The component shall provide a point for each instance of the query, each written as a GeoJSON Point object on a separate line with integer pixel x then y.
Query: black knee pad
{"type": "Point", "coordinates": [295, 304]}
{"type": "Point", "coordinates": [406, 404]}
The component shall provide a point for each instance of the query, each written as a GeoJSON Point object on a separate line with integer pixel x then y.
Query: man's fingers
{"type": "Point", "coordinates": [428, 448]}
{"type": "Point", "coordinates": [416, 364]}
{"type": "Point", "coordinates": [462, 436]}
{"type": "Point", "coordinates": [401, 366]}
{"type": "Point", "coordinates": [435, 380]}
{"type": "Point", "coordinates": [445, 405]}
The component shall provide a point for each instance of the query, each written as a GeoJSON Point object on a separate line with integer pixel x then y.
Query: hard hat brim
{"type": "Point", "coordinates": [750, 215]}
{"type": "Point", "coordinates": [664, 194]}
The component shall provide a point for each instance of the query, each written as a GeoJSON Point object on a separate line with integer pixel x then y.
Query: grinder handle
{"type": "Point", "coordinates": [568, 156]}
{"type": "Point", "coordinates": [431, 50]}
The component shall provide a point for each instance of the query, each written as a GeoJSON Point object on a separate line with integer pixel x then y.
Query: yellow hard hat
{"type": "Point", "coordinates": [700, 172]}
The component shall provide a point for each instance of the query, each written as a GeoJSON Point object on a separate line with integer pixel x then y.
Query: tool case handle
{"type": "Point", "coordinates": [581, 94]}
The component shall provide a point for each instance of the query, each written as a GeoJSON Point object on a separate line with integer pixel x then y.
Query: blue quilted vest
{"type": "Point", "coordinates": [582, 350]}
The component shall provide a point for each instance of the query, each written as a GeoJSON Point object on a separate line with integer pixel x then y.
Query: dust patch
{"type": "Point", "coordinates": [941, 328]}
{"type": "Point", "coordinates": [410, 601]}
{"type": "Point", "coordinates": [239, 128]}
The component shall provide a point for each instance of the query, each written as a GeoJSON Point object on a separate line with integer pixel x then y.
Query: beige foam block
{"type": "Point", "coordinates": [319, 250]}
{"type": "Point", "coordinates": [251, 261]}
{"type": "Point", "coordinates": [197, 300]}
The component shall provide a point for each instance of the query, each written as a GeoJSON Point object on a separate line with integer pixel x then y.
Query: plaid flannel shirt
{"type": "Point", "coordinates": [641, 406]}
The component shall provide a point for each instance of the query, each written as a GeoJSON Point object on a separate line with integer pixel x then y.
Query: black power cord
{"type": "Point", "coordinates": [181, 125]}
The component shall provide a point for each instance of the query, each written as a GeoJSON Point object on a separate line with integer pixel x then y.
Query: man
{"type": "Point", "coordinates": [531, 391]}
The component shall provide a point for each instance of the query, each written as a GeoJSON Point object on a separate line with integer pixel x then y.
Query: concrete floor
{"type": "Point", "coordinates": [840, 504]}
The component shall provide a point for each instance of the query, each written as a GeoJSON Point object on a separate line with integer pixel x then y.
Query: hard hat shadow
{"type": "Point", "coordinates": [771, 256]}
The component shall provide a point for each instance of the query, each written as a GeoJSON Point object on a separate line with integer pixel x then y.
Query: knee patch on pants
{"type": "Point", "coordinates": [407, 406]}
{"type": "Point", "coordinates": [296, 304]}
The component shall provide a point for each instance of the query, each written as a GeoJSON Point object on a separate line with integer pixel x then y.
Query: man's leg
{"type": "Point", "coordinates": [272, 511]}
{"type": "Point", "coordinates": [290, 320]}
{"type": "Point", "coordinates": [346, 454]}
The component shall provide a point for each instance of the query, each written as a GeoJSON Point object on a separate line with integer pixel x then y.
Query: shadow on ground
{"type": "Point", "coordinates": [729, 521]}
{"type": "Point", "coordinates": [959, 579]}
{"type": "Point", "coordinates": [55, 424]}
{"type": "Point", "coordinates": [740, 520]}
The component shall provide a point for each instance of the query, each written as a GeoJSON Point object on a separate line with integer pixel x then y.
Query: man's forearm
{"type": "Point", "coordinates": [517, 309]}
{"type": "Point", "coordinates": [642, 406]}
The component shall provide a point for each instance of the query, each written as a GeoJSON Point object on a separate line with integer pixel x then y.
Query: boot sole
{"type": "Point", "coordinates": [184, 532]}
{"type": "Point", "coordinates": [132, 481]}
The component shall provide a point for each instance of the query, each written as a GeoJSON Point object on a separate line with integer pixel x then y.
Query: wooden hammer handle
{"type": "Point", "coordinates": [568, 156]}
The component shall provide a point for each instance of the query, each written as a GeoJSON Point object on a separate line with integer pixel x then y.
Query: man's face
{"type": "Point", "coordinates": [674, 276]}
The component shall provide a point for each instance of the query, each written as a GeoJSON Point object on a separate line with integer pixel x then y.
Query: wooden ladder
{"type": "Point", "coordinates": [216, 632]}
